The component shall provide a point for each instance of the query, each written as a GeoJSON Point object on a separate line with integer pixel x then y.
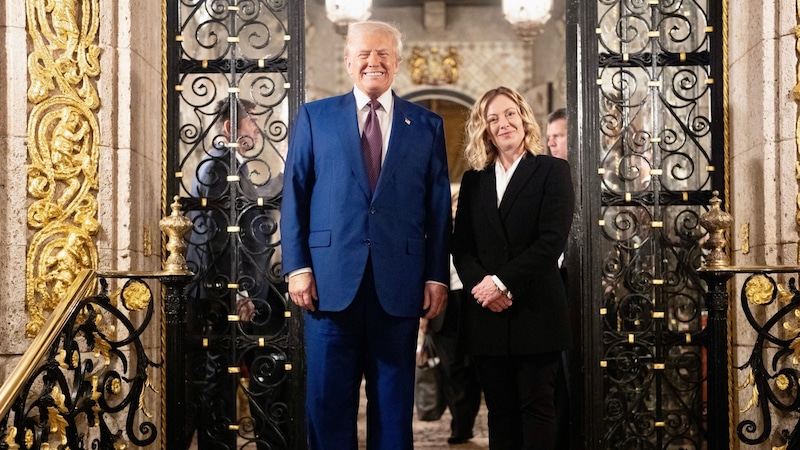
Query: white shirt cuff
{"type": "Point", "coordinates": [298, 272]}
{"type": "Point", "coordinates": [501, 286]}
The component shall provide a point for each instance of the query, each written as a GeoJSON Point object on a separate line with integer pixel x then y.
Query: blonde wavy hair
{"type": "Point", "coordinates": [480, 151]}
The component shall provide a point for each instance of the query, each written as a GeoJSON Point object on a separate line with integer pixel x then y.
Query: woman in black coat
{"type": "Point", "coordinates": [513, 219]}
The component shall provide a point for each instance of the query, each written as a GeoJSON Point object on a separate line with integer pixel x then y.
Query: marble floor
{"type": "Point", "coordinates": [433, 435]}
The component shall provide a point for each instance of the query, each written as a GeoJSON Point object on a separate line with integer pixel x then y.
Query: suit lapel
{"type": "Point", "coordinates": [350, 138]}
{"type": "Point", "coordinates": [519, 180]}
{"type": "Point", "coordinates": [488, 193]}
{"type": "Point", "coordinates": [402, 131]}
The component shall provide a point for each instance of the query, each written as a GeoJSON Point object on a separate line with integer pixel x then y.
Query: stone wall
{"type": "Point", "coordinates": [13, 231]}
{"type": "Point", "coordinates": [130, 159]}
{"type": "Point", "coordinates": [762, 72]}
{"type": "Point", "coordinates": [491, 53]}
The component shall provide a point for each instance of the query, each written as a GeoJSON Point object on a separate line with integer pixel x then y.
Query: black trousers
{"type": "Point", "coordinates": [519, 393]}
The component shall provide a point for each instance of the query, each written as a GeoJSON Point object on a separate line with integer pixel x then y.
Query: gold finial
{"type": "Point", "coordinates": [716, 222]}
{"type": "Point", "coordinates": [176, 226]}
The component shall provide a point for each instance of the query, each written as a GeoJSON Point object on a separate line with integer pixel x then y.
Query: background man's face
{"type": "Point", "coordinates": [557, 138]}
{"type": "Point", "coordinates": [248, 133]}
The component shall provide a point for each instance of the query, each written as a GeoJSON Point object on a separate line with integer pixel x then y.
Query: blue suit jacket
{"type": "Point", "coordinates": [331, 222]}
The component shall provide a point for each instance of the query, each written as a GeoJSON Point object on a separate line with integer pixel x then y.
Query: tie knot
{"type": "Point", "coordinates": [374, 105]}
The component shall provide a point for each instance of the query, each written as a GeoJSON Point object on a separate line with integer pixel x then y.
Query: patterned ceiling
{"type": "Point", "coordinates": [387, 3]}
{"type": "Point", "coordinates": [447, 2]}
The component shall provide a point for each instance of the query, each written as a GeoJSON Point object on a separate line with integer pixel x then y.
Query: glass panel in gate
{"type": "Point", "coordinates": [655, 173]}
{"type": "Point", "coordinates": [231, 122]}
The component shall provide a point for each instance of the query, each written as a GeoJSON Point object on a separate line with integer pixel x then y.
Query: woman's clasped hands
{"type": "Point", "coordinates": [489, 296]}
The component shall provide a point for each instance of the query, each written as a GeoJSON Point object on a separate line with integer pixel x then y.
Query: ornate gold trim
{"type": "Point", "coordinates": [63, 150]}
{"type": "Point", "coordinates": [727, 190]}
{"type": "Point", "coordinates": [84, 283]}
{"type": "Point", "coordinates": [163, 368]}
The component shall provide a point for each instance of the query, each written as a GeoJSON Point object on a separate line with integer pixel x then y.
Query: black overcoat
{"type": "Point", "coordinates": [520, 241]}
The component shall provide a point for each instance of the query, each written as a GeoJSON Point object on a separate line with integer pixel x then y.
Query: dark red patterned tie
{"type": "Point", "coordinates": [372, 143]}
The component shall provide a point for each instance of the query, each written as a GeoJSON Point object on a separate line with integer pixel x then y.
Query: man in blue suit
{"type": "Point", "coordinates": [365, 249]}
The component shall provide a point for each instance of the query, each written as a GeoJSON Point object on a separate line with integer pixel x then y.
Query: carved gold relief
{"type": "Point", "coordinates": [11, 438]}
{"type": "Point", "coordinates": [749, 381]}
{"type": "Point", "coordinates": [745, 236]}
{"type": "Point", "coordinates": [795, 344]}
{"type": "Point", "coordinates": [58, 425]}
{"type": "Point", "coordinates": [63, 150]}
{"type": "Point", "coordinates": [148, 386]}
{"type": "Point", "coordinates": [432, 67]}
{"type": "Point", "coordinates": [758, 290]}
{"type": "Point", "coordinates": [136, 296]}
{"type": "Point", "coordinates": [147, 241]}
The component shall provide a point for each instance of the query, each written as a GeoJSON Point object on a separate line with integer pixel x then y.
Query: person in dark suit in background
{"type": "Point", "coordinates": [513, 218]}
{"type": "Point", "coordinates": [365, 227]}
{"type": "Point", "coordinates": [224, 176]}
{"type": "Point", "coordinates": [557, 133]}
{"type": "Point", "coordinates": [209, 251]}
{"type": "Point", "coordinates": [557, 144]}
{"type": "Point", "coordinates": [462, 391]}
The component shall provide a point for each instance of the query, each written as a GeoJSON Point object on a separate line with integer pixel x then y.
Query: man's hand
{"type": "Point", "coordinates": [435, 299]}
{"type": "Point", "coordinates": [303, 290]}
{"type": "Point", "coordinates": [245, 309]}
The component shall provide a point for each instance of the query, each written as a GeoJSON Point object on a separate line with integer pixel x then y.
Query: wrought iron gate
{"type": "Point", "coordinates": [649, 97]}
{"type": "Point", "coordinates": [234, 80]}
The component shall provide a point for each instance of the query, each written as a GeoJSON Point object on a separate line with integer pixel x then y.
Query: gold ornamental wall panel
{"type": "Point", "coordinates": [63, 150]}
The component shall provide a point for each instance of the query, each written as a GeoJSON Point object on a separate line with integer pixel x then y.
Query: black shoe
{"type": "Point", "coordinates": [453, 440]}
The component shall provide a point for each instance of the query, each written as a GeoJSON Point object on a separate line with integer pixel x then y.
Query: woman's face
{"type": "Point", "coordinates": [505, 124]}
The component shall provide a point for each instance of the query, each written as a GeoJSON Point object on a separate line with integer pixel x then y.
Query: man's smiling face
{"type": "Point", "coordinates": [372, 63]}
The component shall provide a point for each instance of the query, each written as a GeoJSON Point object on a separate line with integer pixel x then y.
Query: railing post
{"type": "Point", "coordinates": [174, 277]}
{"type": "Point", "coordinates": [716, 274]}
{"type": "Point", "coordinates": [717, 362]}
{"type": "Point", "coordinates": [175, 395]}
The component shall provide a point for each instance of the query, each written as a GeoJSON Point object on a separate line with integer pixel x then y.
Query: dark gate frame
{"type": "Point", "coordinates": [591, 400]}
{"type": "Point", "coordinates": [291, 66]}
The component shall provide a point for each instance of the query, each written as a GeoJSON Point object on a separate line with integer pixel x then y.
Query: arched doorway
{"type": "Point", "coordinates": [454, 108]}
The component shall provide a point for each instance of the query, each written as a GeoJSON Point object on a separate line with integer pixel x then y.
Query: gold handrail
{"type": "Point", "coordinates": [80, 288]}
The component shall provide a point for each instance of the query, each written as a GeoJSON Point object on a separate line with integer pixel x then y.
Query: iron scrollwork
{"type": "Point", "coordinates": [653, 151]}
{"type": "Point", "coordinates": [92, 386]}
{"type": "Point", "coordinates": [240, 367]}
{"type": "Point", "coordinates": [771, 374]}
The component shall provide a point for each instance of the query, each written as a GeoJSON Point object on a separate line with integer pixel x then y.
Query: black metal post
{"type": "Point", "coordinates": [175, 395]}
{"type": "Point", "coordinates": [717, 363]}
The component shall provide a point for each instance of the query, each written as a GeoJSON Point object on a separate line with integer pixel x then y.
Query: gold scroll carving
{"type": "Point", "coordinates": [63, 150]}
{"type": "Point", "coordinates": [431, 66]}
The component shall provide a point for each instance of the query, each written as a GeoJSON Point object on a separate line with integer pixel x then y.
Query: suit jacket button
{"type": "Point", "coordinates": [372, 210]}
{"type": "Point", "coordinates": [366, 242]}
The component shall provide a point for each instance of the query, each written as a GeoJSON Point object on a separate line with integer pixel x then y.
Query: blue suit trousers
{"type": "Point", "coordinates": [341, 348]}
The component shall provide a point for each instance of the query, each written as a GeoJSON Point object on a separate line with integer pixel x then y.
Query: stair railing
{"type": "Point", "coordinates": [83, 381]}
{"type": "Point", "coordinates": [769, 408]}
